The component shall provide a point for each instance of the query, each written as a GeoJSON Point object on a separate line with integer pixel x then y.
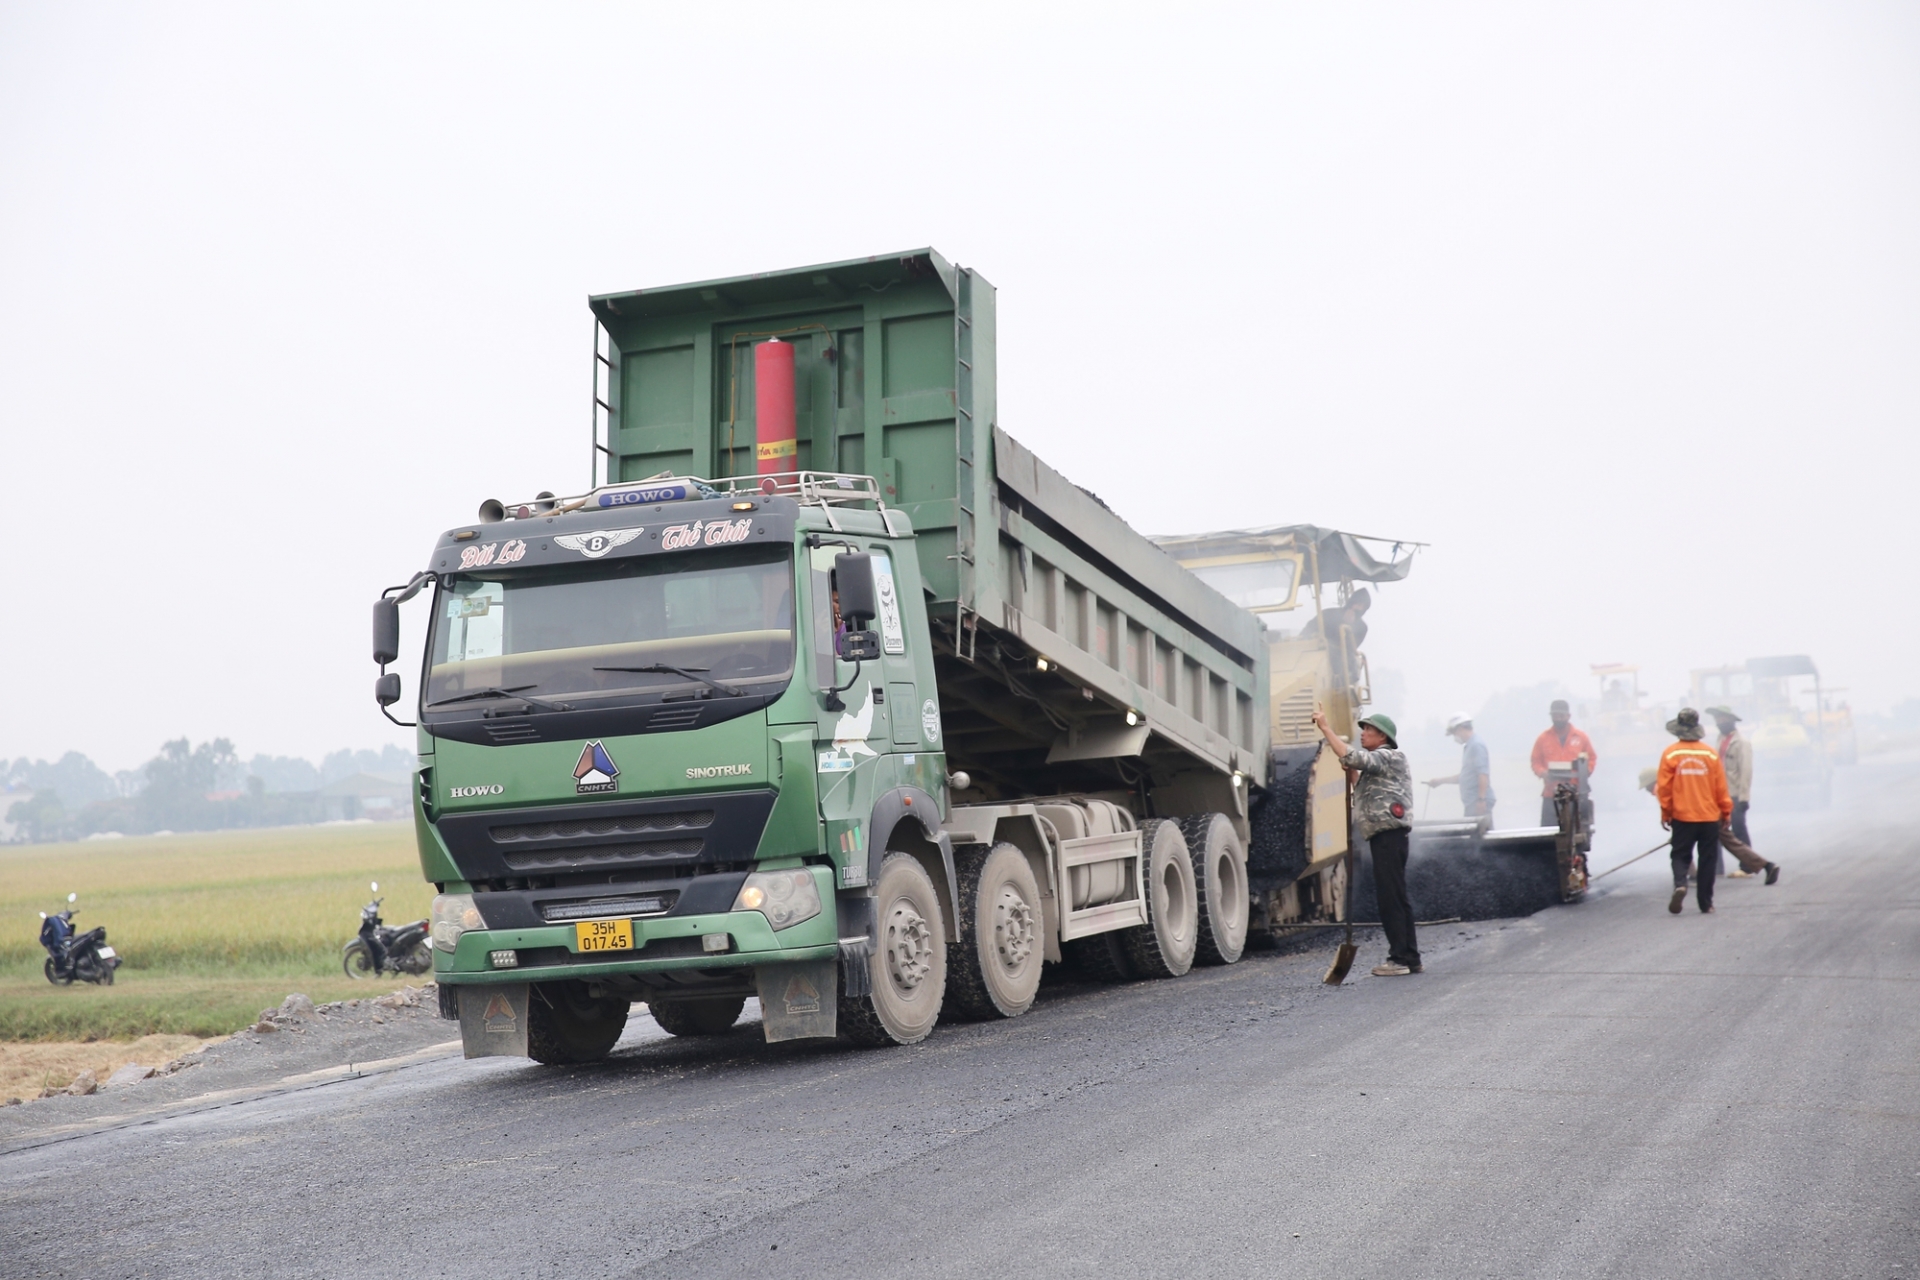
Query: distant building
{"type": "Point", "coordinates": [365, 796]}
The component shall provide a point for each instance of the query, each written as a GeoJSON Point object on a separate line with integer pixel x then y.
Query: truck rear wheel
{"type": "Point", "coordinates": [1101, 958]}
{"type": "Point", "coordinates": [1163, 947]}
{"type": "Point", "coordinates": [1220, 869]}
{"type": "Point", "coordinates": [712, 1016]}
{"type": "Point", "coordinates": [908, 969]}
{"type": "Point", "coordinates": [565, 1025]}
{"type": "Point", "coordinates": [998, 952]}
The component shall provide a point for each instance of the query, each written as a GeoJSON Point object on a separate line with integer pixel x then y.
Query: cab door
{"type": "Point", "coordinates": [903, 690]}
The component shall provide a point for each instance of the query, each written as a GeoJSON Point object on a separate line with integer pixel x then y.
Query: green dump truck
{"type": "Point", "coordinates": [833, 694]}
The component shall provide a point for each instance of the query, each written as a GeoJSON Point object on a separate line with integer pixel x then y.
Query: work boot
{"type": "Point", "coordinates": [1739, 873]}
{"type": "Point", "coordinates": [1773, 872]}
{"type": "Point", "coordinates": [1391, 969]}
{"type": "Point", "coordinates": [1679, 896]}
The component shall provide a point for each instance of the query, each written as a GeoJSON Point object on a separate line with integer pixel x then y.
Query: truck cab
{"type": "Point", "coordinates": [640, 746]}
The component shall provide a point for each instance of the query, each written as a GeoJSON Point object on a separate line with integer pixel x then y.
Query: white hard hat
{"type": "Point", "coordinates": [1454, 722]}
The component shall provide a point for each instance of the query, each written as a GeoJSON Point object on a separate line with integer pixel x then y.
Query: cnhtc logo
{"type": "Point", "coordinates": [596, 771]}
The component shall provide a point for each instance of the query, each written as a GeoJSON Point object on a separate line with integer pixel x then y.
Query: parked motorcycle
{"type": "Point", "coordinates": [70, 956]}
{"type": "Point", "coordinates": [381, 949]}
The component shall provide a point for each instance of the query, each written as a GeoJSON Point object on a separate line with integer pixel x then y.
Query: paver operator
{"type": "Point", "coordinates": [1560, 743]}
{"type": "Point", "coordinates": [1475, 778]}
{"type": "Point", "coordinates": [1382, 815]}
{"type": "Point", "coordinates": [1692, 790]}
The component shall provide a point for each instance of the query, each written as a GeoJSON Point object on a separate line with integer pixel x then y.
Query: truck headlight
{"type": "Point", "coordinates": [785, 898]}
{"type": "Point", "coordinates": [453, 914]}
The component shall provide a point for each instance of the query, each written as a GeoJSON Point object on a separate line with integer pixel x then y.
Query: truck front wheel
{"type": "Point", "coordinates": [999, 948]}
{"type": "Point", "coordinates": [908, 969]}
{"type": "Point", "coordinates": [1163, 947]}
{"type": "Point", "coordinates": [565, 1025]}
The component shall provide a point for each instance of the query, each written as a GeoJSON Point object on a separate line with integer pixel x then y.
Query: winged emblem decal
{"type": "Point", "coordinates": [599, 542]}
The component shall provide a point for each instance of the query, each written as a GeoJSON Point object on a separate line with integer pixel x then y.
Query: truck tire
{"type": "Point", "coordinates": [1101, 958]}
{"type": "Point", "coordinates": [908, 969]}
{"type": "Point", "coordinates": [449, 1001]}
{"type": "Point", "coordinates": [1163, 947]}
{"type": "Point", "coordinates": [712, 1016]}
{"type": "Point", "coordinates": [1220, 869]}
{"type": "Point", "coordinates": [566, 1026]}
{"type": "Point", "coordinates": [998, 950]}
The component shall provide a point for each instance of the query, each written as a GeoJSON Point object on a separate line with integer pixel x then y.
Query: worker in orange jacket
{"type": "Point", "coordinates": [1560, 743]}
{"type": "Point", "coordinates": [1694, 805]}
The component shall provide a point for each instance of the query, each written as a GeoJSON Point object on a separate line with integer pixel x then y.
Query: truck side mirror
{"type": "Point", "coordinates": [386, 631]}
{"type": "Point", "coordinates": [853, 579]}
{"type": "Point", "coordinates": [386, 690]}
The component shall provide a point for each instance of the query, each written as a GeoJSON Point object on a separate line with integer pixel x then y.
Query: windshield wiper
{"type": "Point", "coordinates": [690, 673]}
{"type": "Point", "coordinates": [495, 691]}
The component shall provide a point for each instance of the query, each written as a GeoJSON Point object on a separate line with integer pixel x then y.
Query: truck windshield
{"type": "Point", "coordinates": [554, 632]}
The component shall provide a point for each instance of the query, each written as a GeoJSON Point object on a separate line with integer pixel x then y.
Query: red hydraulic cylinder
{"type": "Point", "coordinates": [774, 431]}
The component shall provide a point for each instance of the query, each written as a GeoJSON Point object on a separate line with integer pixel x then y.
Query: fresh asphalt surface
{"type": "Point", "coordinates": [1599, 1090]}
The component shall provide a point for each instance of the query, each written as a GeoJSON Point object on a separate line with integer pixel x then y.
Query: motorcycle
{"type": "Point", "coordinates": [70, 956]}
{"type": "Point", "coordinates": [382, 949]}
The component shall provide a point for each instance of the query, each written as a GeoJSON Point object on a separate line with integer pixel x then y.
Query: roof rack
{"type": "Point", "coordinates": [822, 489]}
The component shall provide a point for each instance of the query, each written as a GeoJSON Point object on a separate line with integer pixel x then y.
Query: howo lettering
{"type": "Point", "coordinates": [871, 736]}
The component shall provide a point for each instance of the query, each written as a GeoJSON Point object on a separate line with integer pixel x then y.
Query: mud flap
{"type": "Point", "coordinates": [799, 1001]}
{"type": "Point", "coordinates": [493, 1020]}
{"type": "Point", "coordinates": [856, 977]}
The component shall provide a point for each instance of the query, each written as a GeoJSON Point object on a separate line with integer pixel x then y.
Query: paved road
{"type": "Point", "coordinates": [1603, 1090]}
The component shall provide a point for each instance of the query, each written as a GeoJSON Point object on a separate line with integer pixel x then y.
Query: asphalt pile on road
{"type": "Point", "coordinates": [1460, 880]}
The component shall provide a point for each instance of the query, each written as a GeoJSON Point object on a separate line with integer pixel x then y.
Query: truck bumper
{"type": "Point", "coordinates": [550, 953]}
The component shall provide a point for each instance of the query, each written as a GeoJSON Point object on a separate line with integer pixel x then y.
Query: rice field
{"type": "Point", "coordinates": [213, 927]}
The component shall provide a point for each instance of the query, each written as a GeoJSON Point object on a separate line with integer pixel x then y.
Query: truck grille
{"type": "Point", "coordinates": [631, 825]}
{"type": "Point", "coordinates": [623, 839]}
{"type": "Point", "coordinates": [553, 859]}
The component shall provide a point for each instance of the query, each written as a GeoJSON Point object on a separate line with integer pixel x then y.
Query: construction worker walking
{"type": "Point", "coordinates": [1736, 757]}
{"type": "Point", "coordinates": [1475, 777]}
{"type": "Point", "coordinates": [1559, 743]}
{"type": "Point", "coordinates": [1692, 790]}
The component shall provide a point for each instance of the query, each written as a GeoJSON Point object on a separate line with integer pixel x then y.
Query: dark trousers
{"type": "Point", "coordinates": [1740, 822]}
{"type": "Point", "coordinates": [1706, 836]}
{"type": "Point", "coordinates": [1389, 850]}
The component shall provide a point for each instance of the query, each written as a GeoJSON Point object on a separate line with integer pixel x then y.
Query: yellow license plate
{"type": "Point", "coordinates": [604, 935]}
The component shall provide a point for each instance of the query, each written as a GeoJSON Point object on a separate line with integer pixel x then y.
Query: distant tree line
{"type": "Point", "coordinates": [183, 788]}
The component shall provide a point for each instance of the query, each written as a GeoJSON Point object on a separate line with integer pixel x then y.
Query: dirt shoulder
{"type": "Point", "coordinates": [297, 1040]}
{"type": "Point", "coordinates": [31, 1068]}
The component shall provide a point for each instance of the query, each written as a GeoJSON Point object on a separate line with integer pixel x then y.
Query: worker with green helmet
{"type": "Point", "coordinates": [1383, 817]}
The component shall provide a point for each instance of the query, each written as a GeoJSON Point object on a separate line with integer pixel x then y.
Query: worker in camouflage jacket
{"type": "Point", "coordinates": [1383, 817]}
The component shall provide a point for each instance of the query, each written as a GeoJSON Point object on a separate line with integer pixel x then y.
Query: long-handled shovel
{"type": "Point", "coordinates": [1630, 861]}
{"type": "Point", "coordinates": [1343, 958]}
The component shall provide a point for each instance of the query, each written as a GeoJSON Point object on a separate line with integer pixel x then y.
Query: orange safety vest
{"type": "Point", "coordinates": [1693, 784]}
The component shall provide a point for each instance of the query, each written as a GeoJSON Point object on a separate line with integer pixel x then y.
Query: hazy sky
{"type": "Point", "coordinates": [1618, 306]}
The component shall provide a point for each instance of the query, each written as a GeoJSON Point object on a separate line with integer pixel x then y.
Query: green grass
{"type": "Point", "coordinates": [212, 927]}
